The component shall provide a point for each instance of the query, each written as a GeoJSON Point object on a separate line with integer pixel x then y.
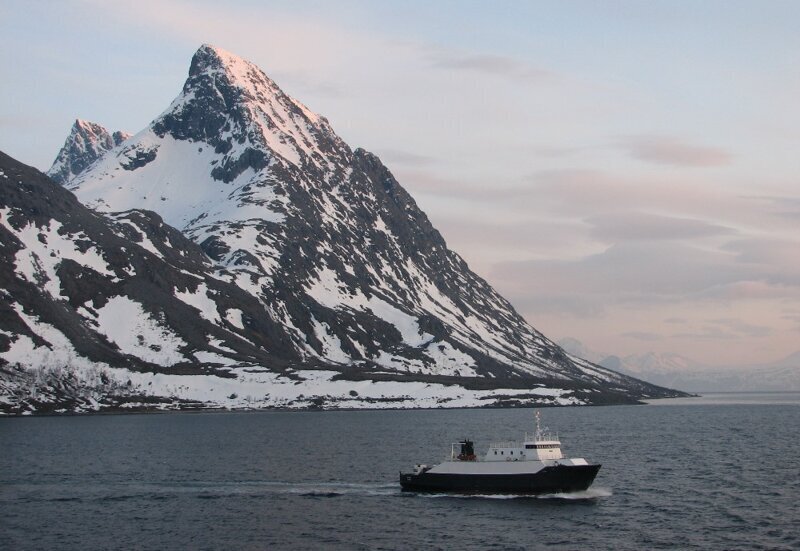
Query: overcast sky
{"type": "Point", "coordinates": [626, 173]}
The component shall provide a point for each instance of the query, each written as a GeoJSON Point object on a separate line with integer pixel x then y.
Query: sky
{"type": "Point", "coordinates": [626, 173]}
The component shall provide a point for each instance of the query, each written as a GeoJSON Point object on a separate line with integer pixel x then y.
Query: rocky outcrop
{"type": "Point", "coordinates": [87, 142]}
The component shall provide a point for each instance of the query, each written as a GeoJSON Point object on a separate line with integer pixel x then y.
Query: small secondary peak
{"type": "Point", "coordinates": [86, 143]}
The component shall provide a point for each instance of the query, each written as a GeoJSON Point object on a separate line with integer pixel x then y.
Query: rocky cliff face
{"type": "Point", "coordinates": [343, 271]}
{"type": "Point", "coordinates": [87, 142]}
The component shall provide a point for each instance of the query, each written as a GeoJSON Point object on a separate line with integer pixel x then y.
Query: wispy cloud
{"type": "Point", "coordinates": [778, 259]}
{"type": "Point", "coordinates": [787, 207]}
{"type": "Point", "coordinates": [676, 321]}
{"type": "Point", "coordinates": [727, 329]}
{"type": "Point", "coordinates": [588, 193]}
{"type": "Point", "coordinates": [638, 226]}
{"type": "Point", "coordinates": [749, 290]}
{"type": "Point", "coordinates": [642, 336]}
{"type": "Point", "coordinates": [793, 316]}
{"type": "Point", "coordinates": [557, 305]}
{"type": "Point", "coordinates": [707, 334]}
{"type": "Point", "coordinates": [672, 151]}
{"type": "Point", "coordinates": [303, 84]}
{"type": "Point", "coordinates": [489, 64]}
{"type": "Point", "coordinates": [743, 328]}
{"type": "Point", "coordinates": [649, 270]}
{"type": "Point", "coordinates": [408, 158]}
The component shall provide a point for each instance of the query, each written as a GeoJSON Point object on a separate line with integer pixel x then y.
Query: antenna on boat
{"type": "Point", "coordinates": [538, 425]}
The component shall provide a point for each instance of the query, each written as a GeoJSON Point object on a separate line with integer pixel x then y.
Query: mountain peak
{"type": "Point", "coordinates": [87, 142]}
{"type": "Point", "coordinates": [349, 268]}
{"type": "Point", "coordinates": [209, 57]}
{"type": "Point", "coordinates": [233, 106]}
{"type": "Point", "coordinates": [248, 78]}
{"type": "Point", "coordinates": [85, 126]}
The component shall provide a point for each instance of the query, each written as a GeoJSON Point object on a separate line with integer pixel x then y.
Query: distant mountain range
{"type": "Point", "coordinates": [676, 371]}
{"type": "Point", "coordinates": [240, 254]}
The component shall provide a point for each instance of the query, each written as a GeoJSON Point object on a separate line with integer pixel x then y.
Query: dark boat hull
{"type": "Point", "coordinates": [554, 479]}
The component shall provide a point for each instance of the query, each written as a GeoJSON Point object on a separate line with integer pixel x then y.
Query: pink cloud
{"type": "Point", "coordinates": [671, 151]}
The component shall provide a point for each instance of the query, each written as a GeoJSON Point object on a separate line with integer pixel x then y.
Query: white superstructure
{"type": "Point", "coordinates": [543, 445]}
{"type": "Point", "coordinates": [536, 451]}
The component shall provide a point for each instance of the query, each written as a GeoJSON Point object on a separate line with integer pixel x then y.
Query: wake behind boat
{"type": "Point", "coordinates": [536, 466]}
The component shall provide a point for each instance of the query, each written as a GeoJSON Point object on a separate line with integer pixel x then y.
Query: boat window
{"type": "Point", "coordinates": [495, 452]}
{"type": "Point", "coordinates": [529, 446]}
{"type": "Point", "coordinates": [512, 452]}
{"type": "Point", "coordinates": [501, 452]}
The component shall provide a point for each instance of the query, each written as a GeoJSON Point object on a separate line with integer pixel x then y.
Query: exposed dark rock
{"type": "Point", "coordinates": [86, 143]}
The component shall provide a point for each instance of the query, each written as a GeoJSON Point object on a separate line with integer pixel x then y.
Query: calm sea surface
{"type": "Point", "coordinates": [718, 472]}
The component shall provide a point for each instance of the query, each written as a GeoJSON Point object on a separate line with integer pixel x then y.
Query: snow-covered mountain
{"type": "Point", "coordinates": [676, 371]}
{"type": "Point", "coordinates": [651, 363]}
{"type": "Point", "coordinates": [343, 272]}
{"type": "Point", "coordinates": [648, 363]}
{"type": "Point", "coordinates": [87, 142]}
{"type": "Point", "coordinates": [781, 375]}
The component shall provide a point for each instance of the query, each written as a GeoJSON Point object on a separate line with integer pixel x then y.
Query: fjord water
{"type": "Point", "coordinates": [702, 473]}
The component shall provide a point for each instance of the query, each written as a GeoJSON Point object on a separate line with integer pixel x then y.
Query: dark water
{"type": "Point", "coordinates": [707, 476]}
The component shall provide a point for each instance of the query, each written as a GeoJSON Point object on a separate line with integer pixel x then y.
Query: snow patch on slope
{"type": "Point", "coordinates": [144, 242]}
{"type": "Point", "coordinates": [135, 332]}
{"type": "Point", "coordinates": [329, 291]}
{"type": "Point", "coordinates": [45, 248]}
{"type": "Point", "coordinates": [450, 361]}
{"type": "Point", "coordinates": [331, 345]}
{"type": "Point", "coordinates": [201, 301]}
{"type": "Point", "coordinates": [59, 352]}
{"type": "Point", "coordinates": [234, 317]}
{"type": "Point", "coordinates": [407, 325]}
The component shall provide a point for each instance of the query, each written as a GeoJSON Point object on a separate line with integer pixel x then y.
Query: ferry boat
{"type": "Point", "coordinates": [536, 466]}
